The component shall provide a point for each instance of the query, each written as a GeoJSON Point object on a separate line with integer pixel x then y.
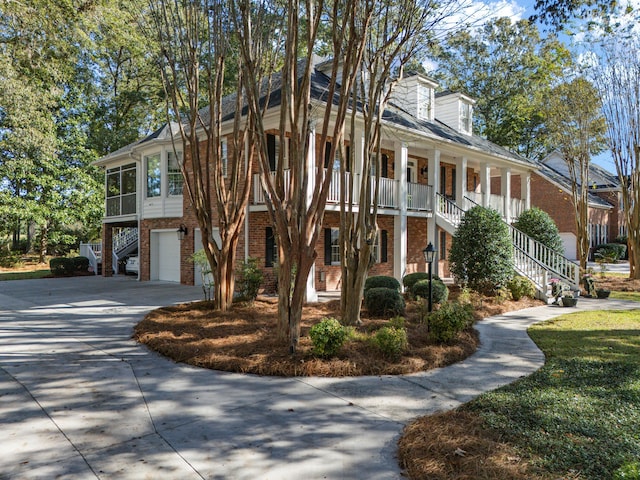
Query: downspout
{"type": "Point", "coordinates": [139, 205]}
{"type": "Point", "coordinates": [246, 214]}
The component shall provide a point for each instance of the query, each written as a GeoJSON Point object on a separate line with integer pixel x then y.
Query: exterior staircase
{"type": "Point", "coordinates": [531, 258]}
{"type": "Point", "coordinates": [124, 243]}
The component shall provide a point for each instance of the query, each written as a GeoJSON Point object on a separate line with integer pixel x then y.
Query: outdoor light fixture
{"type": "Point", "coordinates": [424, 171]}
{"type": "Point", "coordinates": [182, 232]}
{"type": "Point", "coordinates": [429, 253]}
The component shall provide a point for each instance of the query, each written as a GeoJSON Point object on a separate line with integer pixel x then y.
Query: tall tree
{"type": "Point", "coordinates": [578, 129]}
{"type": "Point", "coordinates": [617, 75]}
{"type": "Point", "coordinates": [507, 68]}
{"type": "Point", "coordinates": [398, 32]}
{"type": "Point", "coordinates": [194, 39]}
{"type": "Point", "coordinates": [296, 199]}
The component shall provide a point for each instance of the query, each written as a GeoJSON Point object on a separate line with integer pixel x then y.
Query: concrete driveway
{"type": "Point", "coordinates": [79, 399]}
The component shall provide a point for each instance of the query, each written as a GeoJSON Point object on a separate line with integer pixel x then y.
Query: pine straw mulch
{"type": "Point", "coordinates": [244, 340]}
{"type": "Point", "coordinates": [456, 446]}
{"type": "Point", "coordinates": [618, 283]}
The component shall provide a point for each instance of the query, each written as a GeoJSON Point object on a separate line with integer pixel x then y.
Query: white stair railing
{"type": "Point", "coordinates": [124, 238]}
{"type": "Point", "coordinates": [531, 258]}
{"type": "Point", "coordinates": [93, 251]}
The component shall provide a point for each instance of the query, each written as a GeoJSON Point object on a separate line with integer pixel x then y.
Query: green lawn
{"type": "Point", "coordinates": [24, 275]}
{"type": "Point", "coordinates": [578, 416]}
{"type": "Point", "coordinates": [635, 296]}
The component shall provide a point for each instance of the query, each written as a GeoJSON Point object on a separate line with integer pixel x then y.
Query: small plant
{"type": "Point", "coordinates": [440, 292]}
{"type": "Point", "coordinates": [628, 471]}
{"type": "Point", "coordinates": [249, 279]}
{"type": "Point", "coordinates": [501, 295]}
{"type": "Point", "coordinates": [521, 287]}
{"type": "Point", "coordinates": [327, 337]}
{"type": "Point", "coordinates": [397, 322]}
{"type": "Point", "coordinates": [380, 281]}
{"type": "Point", "coordinates": [383, 301]}
{"type": "Point", "coordinates": [391, 341]}
{"type": "Point", "coordinates": [589, 285]}
{"type": "Point", "coordinates": [452, 318]}
{"type": "Point", "coordinates": [559, 289]}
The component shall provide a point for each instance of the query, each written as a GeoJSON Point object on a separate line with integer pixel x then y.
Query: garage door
{"type": "Point", "coordinates": [167, 256]}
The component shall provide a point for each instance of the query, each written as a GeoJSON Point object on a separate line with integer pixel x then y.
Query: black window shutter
{"type": "Point", "coordinates": [269, 247]}
{"type": "Point", "coordinates": [348, 159]}
{"type": "Point", "coordinates": [384, 172]}
{"type": "Point", "coordinates": [327, 246]}
{"type": "Point", "coordinates": [327, 155]}
{"type": "Point", "coordinates": [383, 246]}
{"type": "Point", "coordinates": [271, 150]}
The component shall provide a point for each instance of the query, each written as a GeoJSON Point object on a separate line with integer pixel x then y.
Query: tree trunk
{"type": "Point", "coordinates": [353, 278]}
{"type": "Point", "coordinates": [44, 243]}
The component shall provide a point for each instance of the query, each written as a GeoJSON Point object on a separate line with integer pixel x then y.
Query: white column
{"type": "Point", "coordinates": [434, 180]}
{"type": "Point", "coordinates": [525, 189]}
{"type": "Point", "coordinates": [461, 180]}
{"type": "Point", "coordinates": [485, 183]}
{"type": "Point", "coordinates": [311, 294]}
{"type": "Point", "coordinates": [505, 184]}
{"type": "Point", "coordinates": [401, 159]}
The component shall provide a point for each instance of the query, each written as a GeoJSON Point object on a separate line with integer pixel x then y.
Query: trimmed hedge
{"type": "Point", "coordinates": [520, 287]}
{"type": "Point", "coordinates": [327, 337]}
{"type": "Point", "coordinates": [452, 318]}
{"type": "Point", "coordinates": [383, 301]}
{"type": "Point", "coordinates": [391, 341]}
{"type": "Point", "coordinates": [616, 251]}
{"type": "Point", "coordinates": [440, 291]}
{"type": "Point", "coordinates": [63, 266]}
{"type": "Point", "coordinates": [381, 281]}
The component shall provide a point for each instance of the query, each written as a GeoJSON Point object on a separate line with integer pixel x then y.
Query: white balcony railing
{"type": "Point", "coordinates": [419, 196]}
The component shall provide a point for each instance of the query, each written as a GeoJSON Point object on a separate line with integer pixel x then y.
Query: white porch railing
{"type": "Point", "coordinates": [93, 251]}
{"type": "Point", "coordinates": [496, 202]}
{"type": "Point", "coordinates": [449, 210]}
{"type": "Point", "coordinates": [419, 197]}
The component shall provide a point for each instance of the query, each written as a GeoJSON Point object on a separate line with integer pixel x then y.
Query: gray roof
{"type": "Point", "coordinates": [319, 91]}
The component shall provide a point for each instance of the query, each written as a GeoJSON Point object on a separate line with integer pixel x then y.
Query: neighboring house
{"type": "Point", "coordinates": [551, 192]}
{"type": "Point", "coordinates": [431, 172]}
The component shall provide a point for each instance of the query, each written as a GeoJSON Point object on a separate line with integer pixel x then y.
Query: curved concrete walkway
{"type": "Point", "coordinates": [80, 400]}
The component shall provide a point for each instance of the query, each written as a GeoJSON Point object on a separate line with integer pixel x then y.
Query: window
{"type": "Point", "coordinates": [424, 102]}
{"type": "Point", "coordinates": [121, 190]}
{"type": "Point", "coordinates": [331, 246]}
{"type": "Point", "coordinates": [174, 174]}
{"type": "Point", "coordinates": [154, 179]}
{"type": "Point", "coordinates": [465, 117]}
{"type": "Point", "coordinates": [224, 158]}
{"type": "Point", "coordinates": [271, 248]}
{"type": "Point", "coordinates": [379, 250]}
{"type": "Point", "coordinates": [443, 245]}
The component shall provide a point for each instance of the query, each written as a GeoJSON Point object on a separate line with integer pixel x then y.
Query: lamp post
{"type": "Point", "coordinates": [429, 253]}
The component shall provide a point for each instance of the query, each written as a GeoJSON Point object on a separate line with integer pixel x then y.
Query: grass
{"type": "Point", "coordinates": [633, 296]}
{"type": "Point", "coordinates": [24, 275]}
{"type": "Point", "coordinates": [578, 416]}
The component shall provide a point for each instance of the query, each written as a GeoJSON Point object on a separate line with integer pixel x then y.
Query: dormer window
{"type": "Point", "coordinates": [424, 102]}
{"type": "Point", "coordinates": [465, 117]}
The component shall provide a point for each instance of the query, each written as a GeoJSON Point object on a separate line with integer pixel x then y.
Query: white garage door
{"type": "Point", "coordinates": [167, 256]}
{"type": "Point", "coordinates": [569, 241]}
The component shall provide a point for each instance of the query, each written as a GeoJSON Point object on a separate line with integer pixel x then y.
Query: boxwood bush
{"type": "Point", "coordinates": [451, 319]}
{"type": "Point", "coordinates": [61, 266]}
{"type": "Point", "coordinates": [381, 281]}
{"type": "Point", "coordinates": [520, 287]}
{"type": "Point", "coordinates": [80, 264]}
{"type": "Point", "coordinates": [328, 336]}
{"type": "Point", "coordinates": [383, 301]}
{"type": "Point", "coordinates": [614, 251]}
{"type": "Point", "coordinates": [410, 279]}
{"type": "Point", "coordinates": [440, 292]}
{"type": "Point", "coordinates": [391, 341]}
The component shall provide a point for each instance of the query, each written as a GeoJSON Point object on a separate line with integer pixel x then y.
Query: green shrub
{"type": "Point", "coordinates": [383, 301]}
{"type": "Point", "coordinates": [628, 471]}
{"type": "Point", "coordinates": [327, 337]}
{"type": "Point", "coordinates": [521, 287]}
{"type": "Point", "coordinates": [440, 292]}
{"type": "Point", "coordinates": [540, 226]}
{"type": "Point", "coordinates": [249, 279]}
{"type": "Point", "coordinates": [9, 259]}
{"type": "Point", "coordinates": [612, 251]}
{"type": "Point", "coordinates": [410, 279]}
{"type": "Point", "coordinates": [481, 252]}
{"type": "Point", "coordinates": [397, 322]}
{"type": "Point", "coordinates": [80, 264]}
{"type": "Point", "coordinates": [452, 318]}
{"type": "Point", "coordinates": [61, 266]}
{"type": "Point", "coordinates": [391, 341]}
{"type": "Point", "coordinates": [381, 281]}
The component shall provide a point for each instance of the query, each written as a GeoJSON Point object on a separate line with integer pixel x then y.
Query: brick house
{"type": "Point", "coordinates": [433, 168]}
{"type": "Point", "coordinates": [551, 192]}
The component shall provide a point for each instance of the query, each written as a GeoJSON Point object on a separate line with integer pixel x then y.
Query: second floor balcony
{"type": "Point", "coordinates": [391, 194]}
